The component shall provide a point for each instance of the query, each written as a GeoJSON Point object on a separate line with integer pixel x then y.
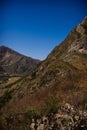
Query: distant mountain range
{"type": "Point", "coordinates": [60, 78]}
{"type": "Point", "coordinates": [14, 63]}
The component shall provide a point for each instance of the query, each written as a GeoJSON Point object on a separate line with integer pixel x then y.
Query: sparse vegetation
{"type": "Point", "coordinates": [10, 85]}
{"type": "Point", "coordinates": [51, 106]}
{"type": "Point", "coordinates": [29, 115]}
{"type": "Point", "coordinates": [5, 98]}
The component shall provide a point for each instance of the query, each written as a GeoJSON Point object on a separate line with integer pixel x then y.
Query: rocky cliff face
{"type": "Point", "coordinates": [13, 63]}
{"type": "Point", "coordinates": [80, 44]}
{"type": "Point", "coordinates": [75, 41]}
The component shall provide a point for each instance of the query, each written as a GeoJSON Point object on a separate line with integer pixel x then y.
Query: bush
{"type": "Point", "coordinates": [5, 98]}
{"type": "Point", "coordinates": [50, 107]}
{"type": "Point", "coordinates": [85, 106]}
{"type": "Point", "coordinates": [30, 114]}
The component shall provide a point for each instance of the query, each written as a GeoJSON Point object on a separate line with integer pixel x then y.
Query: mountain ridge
{"type": "Point", "coordinates": [13, 62]}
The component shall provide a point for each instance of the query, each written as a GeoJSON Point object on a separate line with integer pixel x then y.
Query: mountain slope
{"type": "Point", "coordinates": [69, 58]}
{"type": "Point", "coordinates": [64, 70]}
{"type": "Point", "coordinates": [13, 63]}
{"type": "Point", "coordinates": [61, 78]}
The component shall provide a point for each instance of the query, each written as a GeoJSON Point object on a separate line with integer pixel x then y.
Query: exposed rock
{"type": "Point", "coordinates": [68, 119]}
{"type": "Point", "coordinates": [80, 29]}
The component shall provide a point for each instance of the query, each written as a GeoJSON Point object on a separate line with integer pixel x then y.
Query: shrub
{"type": "Point", "coordinates": [30, 114]}
{"type": "Point", "coordinates": [84, 106]}
{"type": "Point", "coordinates": [33, 75]}
{"type": "Point", "coordinates": [51, 106]}
{"type": "Point", "coordinates": [5, 98]}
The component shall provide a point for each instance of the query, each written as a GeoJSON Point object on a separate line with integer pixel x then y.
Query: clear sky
{"type": "Point", "coordinates": [35, 27]}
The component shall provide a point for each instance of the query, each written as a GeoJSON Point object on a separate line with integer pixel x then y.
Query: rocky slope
{"type": "Point", "coordinates": [13, 63]}
{"type": "Point", "coordinates": [61, 78]}
{"type": "Point", "coordinates": [65, 118]}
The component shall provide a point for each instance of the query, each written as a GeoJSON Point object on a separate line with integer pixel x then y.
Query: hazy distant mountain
{"type": "Point", "coordinates": [62, 76]}
{"type": "Point", "coordinates": [13, 63]}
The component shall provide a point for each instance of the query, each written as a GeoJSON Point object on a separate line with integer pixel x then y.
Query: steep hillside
{"type": "Point", "coordinates": [13, 63]}
{"type": "Point", "coordinates": [61, 78]}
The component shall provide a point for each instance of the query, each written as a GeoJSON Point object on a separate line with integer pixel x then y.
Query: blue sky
{"type": "Point", "coordinates": [35, 27]}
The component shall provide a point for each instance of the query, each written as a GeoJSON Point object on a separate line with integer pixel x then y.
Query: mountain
{"type": "Point", "coordinates": [13, 63]}
{"type": "Point", "coordinates": [61, 78]}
